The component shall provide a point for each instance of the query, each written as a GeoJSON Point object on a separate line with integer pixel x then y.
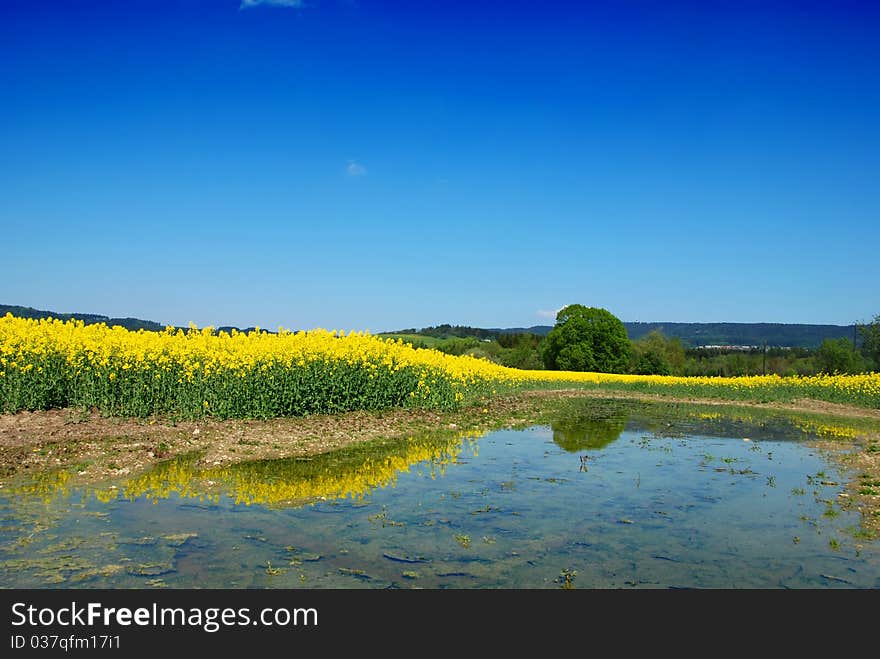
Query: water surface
{"type": "Point", "coordinates": [608, 495]}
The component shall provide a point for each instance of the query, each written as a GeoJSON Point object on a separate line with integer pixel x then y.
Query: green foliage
{"type": "Point", "coordinates": [838, 356]}
{"type": "Point", "coordinates": [520, 350]}
{"type": "Point", "coordinates": [870, 334]}
{"type": "Point", "coordinates": [460, 331]}
{"type": "Point", "coordinates": [517, 339]}
{"type": "Point", "coordinates": [514, 349]}
{"type": "Point", "coordinates": [587, 339]}
{"type": "Point", "coordinates": [413, 339]}
{"type": "Point", "coordinates": [652, 363]}
{"type": "Point", "coordinates": [729, 363]}
{"type": "Point", "coordinates": [270, 389]}
{"type": "Point", "coordinates": [457, 347]}
{"type": "Point", "coordinates": [656, 354]}
{"type": "Point", "coordinates": [450, 345]}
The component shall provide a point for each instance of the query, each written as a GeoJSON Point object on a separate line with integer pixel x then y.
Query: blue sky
{"type": "Point", "coordinates": [377, 165]}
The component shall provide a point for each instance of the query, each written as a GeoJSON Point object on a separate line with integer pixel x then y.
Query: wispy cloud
{"type": "Point", "coordinates": [247, 4]}
{"type": "Point", "coordinates": [355, 169]}
{"type": "Point", "coordinates": [546, 313]}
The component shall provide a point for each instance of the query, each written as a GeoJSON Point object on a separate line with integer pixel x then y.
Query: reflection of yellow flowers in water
{"type": "Point", "coordinates": [828, 430]}
{"type": "Point", "coordinates": [192, 373]}
{"type": "Point", "coordinates": [351, 473]}
{"type": "Point", "coordinates": [838, 430]}
{"type": "Point", "coordinates": [292, 481]}
{"type": "Point", "coordinates": [45, 486]}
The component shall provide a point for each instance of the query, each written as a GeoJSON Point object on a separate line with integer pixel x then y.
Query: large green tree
{"type": "Point", "coordinates": [838, 356]}
{"type": "Point", "coordinates": [586, 339]}
{"type": "Point", "coordinates": [656, 354]}
{"type": "Point", "coordinates": [871, 342]}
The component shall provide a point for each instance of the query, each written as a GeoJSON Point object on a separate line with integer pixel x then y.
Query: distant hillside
{"type": "Point", "coordinates": [540, 330]}
{"type": "Point", "coordinates": [92, 318]}
{"type": "Point", "coordinates": [691, 334]}
{"type": "Point", "coordinates": [87, 318]}
{"type": "Point", "coordinates": [745, 334]}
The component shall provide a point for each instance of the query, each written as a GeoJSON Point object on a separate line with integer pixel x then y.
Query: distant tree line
{"type": "Point", "coordinates": [743, 334]}
{"type": "Point", "coordinates": [447, 331]}
{"type": "Point", "coordinates": [790, 335]}
{"type": "Point", "coordinates": [133, 324]}
{"type": "Point", "coordinates": [593, 339]}
{"type": "Point", "coordinates": [581, 330]}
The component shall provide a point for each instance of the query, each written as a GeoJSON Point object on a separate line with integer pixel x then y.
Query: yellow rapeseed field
{"type": "Point", "coordinates": [48, 364]}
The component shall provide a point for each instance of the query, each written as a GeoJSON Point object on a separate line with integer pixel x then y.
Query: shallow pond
{"type": "Point", "coordinates": [608, 495]}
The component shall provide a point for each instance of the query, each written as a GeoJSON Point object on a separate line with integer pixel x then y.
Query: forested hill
{"type": "Point", "coordinates": [92, 318]}
{"type": "Point", "coordinates": [87, 318]}
{"type": "Point", "coordinates": [745, 334]}
{"type": "Point", "coordinates": [691, 334]}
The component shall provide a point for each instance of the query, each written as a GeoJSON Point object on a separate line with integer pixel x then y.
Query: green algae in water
{"type": "Point", "coordinates": [178, 539]}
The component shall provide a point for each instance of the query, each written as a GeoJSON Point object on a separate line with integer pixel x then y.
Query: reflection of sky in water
{"type": "Point", "coordinates": [673, 506]}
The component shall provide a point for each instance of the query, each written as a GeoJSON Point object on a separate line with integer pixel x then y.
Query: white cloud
{"type": "Point", "coordinates": [545, 313]}
{"type": "Point", "coordinates": [355, 169]}
{"type": "Point", "coordinates": [247, 4]}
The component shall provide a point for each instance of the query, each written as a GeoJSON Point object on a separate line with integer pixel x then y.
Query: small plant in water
{"type": "Point", "coordinates": [463, 540]}
{"type": "Point", "coordinates": [863, 534]}
{"type": "Point", "coordinates": [566, 579]}
{"type": "Point", "coordinates": [831, 512]}
{"type": "Point", "coordinates": [798, 491]}
{"type": "Point", "coordinates": [272, 571]}
{"type": "Point", "coordinates": [834, 544]}
{"type": "Point", "coordinates": [382, 516]}
{"type": "Point", "coordinates": [771, 481]}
